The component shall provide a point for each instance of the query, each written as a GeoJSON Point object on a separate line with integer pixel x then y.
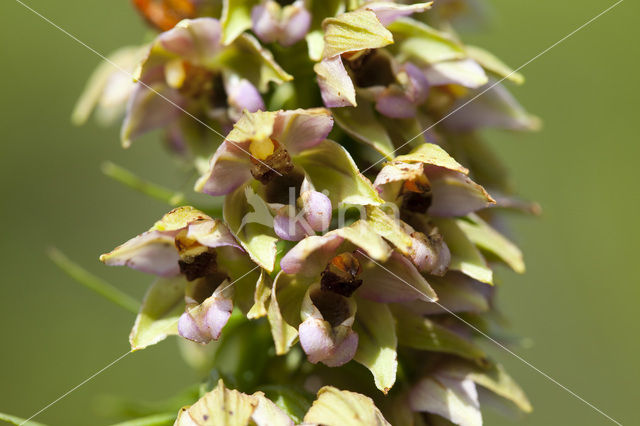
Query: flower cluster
{"type": "Point", "coordinates": [361, 207]}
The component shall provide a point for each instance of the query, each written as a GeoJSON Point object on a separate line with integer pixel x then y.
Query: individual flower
{"type": "Point", "coordinates": [351, 37]}
{"type": "Point", "coordinates": [261, 146]}
{"type": "Point", "coordinates": [286, 25]}
{"type": "Point", "coordinates": [453, 389]}
{"type": "Point", "coordinates": [189, 69]}
{"type": "Point", "coordinates": [109, 87]}
{"type": "Point", "coordinates": [343, 266]}
{"type": "Point", "coordinates": [428, 180]}
{"type": "Point", "coordinates": [201, 250]}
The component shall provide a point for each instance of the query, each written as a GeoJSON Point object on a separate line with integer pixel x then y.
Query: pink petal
{"type": "Point", "coordinates": [241, 95]}
{"type": "Point", "coordinates": [344, 351]}
{"type": "Point", "coordinates": [152, 252]}
{"type": "Point", "coordinates": [336, 87]}
{"type": "Point", "coordinates": [288, 228]}
{"type": "Point", "coordinates": [317, 210]}
{"type": "Point", "coordinates": [311, 255]}
{"type": "Point", "coordinates": [418, 90]}
{"type": "Point", "coordinates": [387, 12]}
{"type": "Point", "coordinates": [395, 105]}
{"type": "Point", "coordinates": [230, 167]}
{"type": "Point", "coordinates": [265, 22]}
{"type": "Point", "coordinates": [454, 194]}
{"type": "Point", "coordinates": [315, 339]}
{"type": "Point", "coordinates": [297, 26]}
{"type": "Point", "coordinates": [196, 40]}
{"type": "Point", "coordinates": [302, 129]}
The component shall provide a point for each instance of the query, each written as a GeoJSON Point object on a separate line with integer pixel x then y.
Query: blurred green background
{"type": "Point", "coordinates": [578, 301]}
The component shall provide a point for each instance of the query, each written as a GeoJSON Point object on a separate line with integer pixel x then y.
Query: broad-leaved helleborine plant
{"type": "Point", "coordinates": [352, 216]}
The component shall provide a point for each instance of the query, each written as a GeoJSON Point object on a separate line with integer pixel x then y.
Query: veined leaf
{"type": "Point", "coordinates": [490, 240]}
{"type": "Point", "coordinates": [377, 342]}
{"type": "Point", "coordinates": [422, 333]}
{"type": "Point", "coordinates": [330, 167]}
{"type": "Point", "coordinates": [344, 408]}
{"type": "Point", "coordinates": [161, 308]}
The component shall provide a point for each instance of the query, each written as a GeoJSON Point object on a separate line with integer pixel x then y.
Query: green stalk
{"type": "Point", "coordinates": [87, 279]}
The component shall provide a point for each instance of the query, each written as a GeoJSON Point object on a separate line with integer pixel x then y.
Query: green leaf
{"type": "Point", "coordinates": [236, 18]}
{"type": "Point", "coordinates": [18, 420]}
{"type": "Point", "coordinates": [284, 311]}
{"type": "Point", "coordinates": [432, 154]}
{"type": "Point", "coordinates": [261, 297]}
{"type": "Point", "coordinates": [241, 208]}
{"type": "Point", "coordinates": [344, 408]}
{"type": "Point", "coordinates": [484, 236]}
{"type": "Point", "coordinates": [493, 64]}
{"type": "Point", "coordinates": [315, 37]}
{"type": "Point", "coordinates": [388, 226]}
{"type": "Point", "coordinates": [221, 406]}
{"type": "Point", "coordinates": [352, 32]}
{"type": "Point", "coordinates": [292, 401]}
{"type": "Point", "coordinates": [377, 342]}
{"type": "Point", "coordinates": [92, 282]}
{"type": "Point", "coordinates": [494, 378]}
{"type": "Point", "coordinates": [362, 235]}
{"type": "Point", "coordinates": [361, 123]}
{"type": "Point", "coordinates": [246, 57]}
{"type": "Point", "coordinates": [161, 308]}
{"type": "Point", "coordinates": [421, 333]}
{"type": "Point", "coordinates": [465, 256]}
{"type": "Point", "coordinates": [416, 40]}
{"type": "Point", "coordinates": [330, 167]}
{"type": "Point", "coordinates": [166, 419]}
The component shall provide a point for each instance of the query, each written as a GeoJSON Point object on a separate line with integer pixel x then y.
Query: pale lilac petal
{"type": "Point", "coordinates": [241, 95]}
{"type": "Point", "coordinates": [315, 339]}
{"type": "Point", "coordinates": [195, 40]}
{"type": "Point", "coordinates": [188, 329]}
{"type": "Point", "coordinates": [344, 350]}
{"type": "Point", "coordinates": [397, 280]}
{"type": "Point", "coordinates": [150, 108]}
{"type": "Point", "coordinates": [302, 129]}
{"type": "Point", "coordinates": [218, 313]}
{"type": "Point", "coordinates": [454, 194]}
{"type": "Point", "coordinates": [453, 399]}
{"type": "Point", "coordinates": [317, 210]}
{"type": "Point", "coordinates": [327, 336]}
{"type": "Point", "coordinates": [203, 323]}
{"type": "Point", "coordinates": [496, 108]}
{"type": "Point", "coordinates": [395, 105]}
{"type": "Point", "coordinates": [464, 72]}
{"type": "Point", "coordinates": [310, 256]}
{"type": "Point", "coordinates": [265, 23]}
{"type": "Point", "coordinates": [288, 228]}
{"type": "Point", "coordinates": [212, 233]}
{"type": "Point", "coordinates": [230, 167]}
{"type": "Point", "coordinates": [297, 21]}
{"type": "Point", "coordinates": [430, 253]}
{"type": "Point", "coordinates": [336, 87]}
{"type": "Point", "coordinates": [418, 89]}
{"type": "Point", "coordinates": [152, 252]}
{"type": "Point", "coordinates": [457, 293]}
{"type": "Point", "coordinates": [387, 11]}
